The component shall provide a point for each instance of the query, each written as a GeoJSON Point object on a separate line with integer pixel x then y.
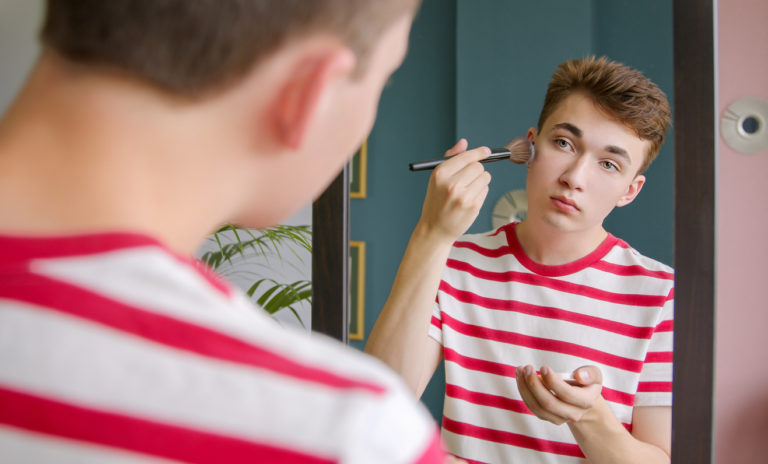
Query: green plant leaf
{"type": "Point", "coordinates": [238, 246]}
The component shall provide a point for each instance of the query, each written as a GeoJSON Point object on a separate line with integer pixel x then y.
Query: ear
{"type": "Point", "coordinates": [632, 191]}
{"type": "Point", "coordinates": [531, 136]}
{"type": "Point", "coordinates": [305, 86]}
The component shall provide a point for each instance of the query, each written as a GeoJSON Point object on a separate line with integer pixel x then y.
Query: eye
{"type": "Point", "coordinates": [609, 165]}
{"type": "Point", "coordinates": [562, 143]}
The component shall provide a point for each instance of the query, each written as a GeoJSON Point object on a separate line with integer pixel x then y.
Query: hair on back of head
{"type": "Point", "coordinates": [622, 92]}
{"type": "Point", "coordinates": [194, 47]}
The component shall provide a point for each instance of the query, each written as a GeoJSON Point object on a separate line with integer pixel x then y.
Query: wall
{"type": "Point", "coordinates": [19, 22]}
{"type": "Point", "coordinates": [479, 69]}
{"type": "Point", "coordinates": [741, 377]}
{"type": "Point", "coordinates": [416, 120]}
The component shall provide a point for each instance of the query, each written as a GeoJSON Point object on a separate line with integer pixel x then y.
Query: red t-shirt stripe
{"type": "Point", "coordinates": [547, 312]}
{"type": "Point", "coordinates": [546, 344]}
{"type": "Point", "coordinates": [479, 364]}
{"type": "Point", "coordinates": [559, 285]}
{"type": "Point", "coordinates": [665, 326]}
{"type": "Point", "coordinates": [489, 252]}
{"type": "Point", "coordinates": [75, 301]}
{"type": "Point", "coordinates": [518, 406]}
{"type": "Point", "coordinates": [25, 249]}
{"type": "Point", "coordinates": [633, 270]}
{"type": "Point", "coordinates": [658, 357]}
{"type": "Point", "coordinates": [29, 248]}
{"type": "Point", "coordinates": [486, 399]}
{"type": "Point", "coordinates": [656, 387]}
{"type": "Point", "coordinates": [507, 370]}
{"type": "Point", "coordinates": [139, 435]}
{"type": "Point", "coordinates": [613, 268]}
{"type": "Point", "coordinates": [514, 439]}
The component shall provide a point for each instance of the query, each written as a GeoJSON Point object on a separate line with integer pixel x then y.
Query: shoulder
{"type": "Point", "coordinates": [353, 394]}
{"type": "Point", "coordinates": [490, 243]}
{"type": "Point", "coordinates": [622, 254]}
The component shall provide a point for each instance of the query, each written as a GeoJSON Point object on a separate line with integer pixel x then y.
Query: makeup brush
{"type": "Point", "coordinates": [518, 150]}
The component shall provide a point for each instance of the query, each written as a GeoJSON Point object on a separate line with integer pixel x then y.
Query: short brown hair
{"type": "Point", "coordinates": [189, 47]}
{"type": "Point", "coordinates": [623, 92]}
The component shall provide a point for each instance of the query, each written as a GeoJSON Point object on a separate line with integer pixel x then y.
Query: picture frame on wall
{"type": "Point", "coordinates": [356, 290]}
{"type": "Point", "coordinates": [358, 172]}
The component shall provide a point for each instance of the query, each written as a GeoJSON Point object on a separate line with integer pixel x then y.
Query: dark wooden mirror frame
{"type": "Point", "coordinates": [694, 240]}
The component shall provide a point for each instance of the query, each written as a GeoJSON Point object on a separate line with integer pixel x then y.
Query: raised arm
{"type": "Point", "coordinates": [456, 191]}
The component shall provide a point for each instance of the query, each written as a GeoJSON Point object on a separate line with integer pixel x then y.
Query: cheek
{"type": "Point", "coordinates": [608, 194]}
{"type": "Point", "coordinates": [540, 173]}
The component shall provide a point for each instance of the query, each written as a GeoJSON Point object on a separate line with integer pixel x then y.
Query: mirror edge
{"type": "Point", "coordinates": [330, 260]}
{"type": "Point", "coordinates": [694, 241]}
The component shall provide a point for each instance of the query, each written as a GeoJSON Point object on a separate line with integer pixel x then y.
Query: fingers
{"type": "Point", "coordinates": [464, 179]}
{"type": "Point", "coordinates": [531, 400]}
{"type": "Point", "coordinates": [461, 146]}
{"type": "Point", "coordinates": [456, 192]}
{"type": "Point", "coordinates": [550, 398]}
{"type": "Point", "coordinates": [543, 403]}
{"type": "Point", "coordinates": [588, 375]}
{"type": "Point", "coordinates": [582, 397]}
{"type": "Point", "coordinates": [460, 160]}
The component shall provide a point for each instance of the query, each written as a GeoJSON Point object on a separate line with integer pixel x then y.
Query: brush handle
{"type": "Point", "coordinates": [496, 155]}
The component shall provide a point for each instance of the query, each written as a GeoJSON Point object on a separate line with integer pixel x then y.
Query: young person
{"type": "Point", "coordinates": [555, 292]}
{"type": "Point", "coordinates": [144, 126]}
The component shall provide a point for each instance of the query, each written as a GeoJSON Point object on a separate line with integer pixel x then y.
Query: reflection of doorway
{"type": "Point", "coordinates": [694, 236]}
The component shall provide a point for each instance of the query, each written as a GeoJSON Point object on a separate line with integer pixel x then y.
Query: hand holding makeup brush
{"type": "Point", "coordinates": [457, 189]}
{"type": "Point", "coordinates": [456, 192]}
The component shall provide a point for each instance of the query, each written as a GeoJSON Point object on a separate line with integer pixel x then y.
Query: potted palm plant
{"type": "Point", "coordinates": [255, 259]}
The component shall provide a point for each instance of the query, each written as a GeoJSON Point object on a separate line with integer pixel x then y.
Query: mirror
{"type": "Point", "coordinates": [459, 103]}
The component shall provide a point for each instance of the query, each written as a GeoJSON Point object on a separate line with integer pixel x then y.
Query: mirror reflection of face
{"type": "Point", "coordinates": [586, 164]}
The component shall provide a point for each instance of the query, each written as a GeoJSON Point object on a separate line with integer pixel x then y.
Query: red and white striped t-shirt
{"type": "Point", "coordinates": [115, 350]}
{"type": "Point", "coordinates": [496, 309]}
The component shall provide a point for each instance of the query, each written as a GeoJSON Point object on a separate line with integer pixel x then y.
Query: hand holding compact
{"type": "Point", "coordinates": [553, 399]}
{"type": "Point", "coordinates": [456, 192]}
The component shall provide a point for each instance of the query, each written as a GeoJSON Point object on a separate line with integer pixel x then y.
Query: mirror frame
{"type": "Point", "coordinates": [330, 260]}
{"type": "Point", "coordinates": [694, 243]}
{"type": "Point", "coordinates": [694, 237]}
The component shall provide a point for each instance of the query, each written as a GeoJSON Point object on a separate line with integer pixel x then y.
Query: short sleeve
{"type": "Point", "coordinates": [395, 428]}
{"type": "Point", "coordinates": [655, 386]}
{"type": "Point", "coordinates": [436, 324]}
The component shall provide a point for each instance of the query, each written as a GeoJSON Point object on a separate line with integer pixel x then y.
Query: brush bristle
{"type": "Point", "coordinates": [520, 150]}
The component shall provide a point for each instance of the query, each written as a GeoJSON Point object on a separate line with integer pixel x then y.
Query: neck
{"type": "Point", "coordinates": [551, 246]}
{"type": "Point", "coordinates": [83, 153]}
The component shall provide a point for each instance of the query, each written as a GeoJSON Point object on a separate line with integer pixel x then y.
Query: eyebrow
{"type": "Point", "coordinates": [569, 127]}
{"type": "Point", "coordinates": [578, 133]}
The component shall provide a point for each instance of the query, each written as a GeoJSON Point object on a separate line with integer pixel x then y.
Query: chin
{"type": "Point", "coordinates": [562, 223]}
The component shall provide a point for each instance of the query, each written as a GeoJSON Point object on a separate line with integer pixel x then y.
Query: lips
{"type": "Point", "coordinates": [565, 204]}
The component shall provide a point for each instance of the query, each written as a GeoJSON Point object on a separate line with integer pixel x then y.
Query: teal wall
{"type": "Point", "coordinates": [479, 69]}
{"type": "Point", "coordinates": [416, 120]}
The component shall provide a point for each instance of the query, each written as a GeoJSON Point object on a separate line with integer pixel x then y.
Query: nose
{"type": "Point", "coordinates": [575, 174]}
